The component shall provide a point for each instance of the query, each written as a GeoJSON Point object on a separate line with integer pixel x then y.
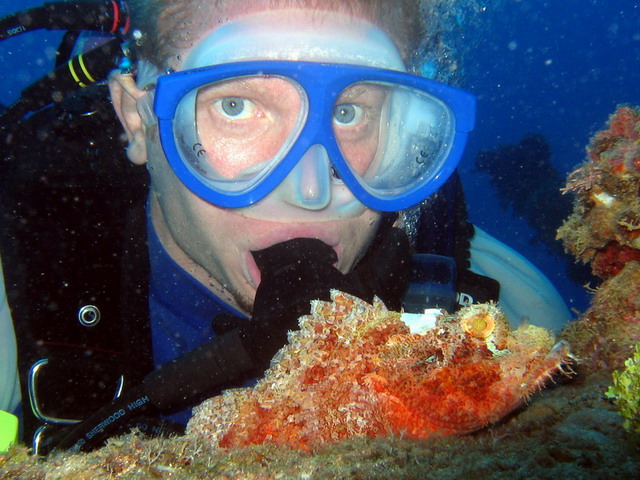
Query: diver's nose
{"type": "Point", "coordinates": [308, 185]}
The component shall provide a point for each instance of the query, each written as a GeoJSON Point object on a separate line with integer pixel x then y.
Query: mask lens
{"type": "Point", "coordinates": [232, 133]}
{"type": "Point", "coordinates": [394, 138]}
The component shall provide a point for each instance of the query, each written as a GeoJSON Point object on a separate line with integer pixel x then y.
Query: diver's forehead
{"type": "Point", "coordinates": [296, 35]}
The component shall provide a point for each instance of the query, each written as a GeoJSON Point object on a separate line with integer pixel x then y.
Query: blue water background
{"type": "Point", "coordinates": [558, 68]}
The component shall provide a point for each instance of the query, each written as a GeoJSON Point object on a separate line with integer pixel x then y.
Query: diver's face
{"type": "Point", "coordinates": [215, 244]}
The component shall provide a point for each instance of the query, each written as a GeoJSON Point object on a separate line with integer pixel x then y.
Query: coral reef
{"type": "Point", "coordinates": [604, 230]}
{"type": "Point", "coordinates": [625, 391]}
{"type": "Point", "coordinates": [355, 370]}
{"type": "Point", "coordinates": [606, 334]}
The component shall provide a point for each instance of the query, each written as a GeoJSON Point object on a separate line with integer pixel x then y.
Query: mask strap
{"type": "Point", "coordinates": [146, 78]}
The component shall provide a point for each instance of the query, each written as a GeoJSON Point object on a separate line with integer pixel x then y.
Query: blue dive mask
{"type": "Point", "coordinates": [238, 131]}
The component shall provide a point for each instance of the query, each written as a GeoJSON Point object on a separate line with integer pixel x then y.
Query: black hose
{"type": "Point", "coordinates": [78, 72]}
{"type": "Point", "coordinates": [215, 363]}
{"type": "Point", "coordinates": [95, 428]}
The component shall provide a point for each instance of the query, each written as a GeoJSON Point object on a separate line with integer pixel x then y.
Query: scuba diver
{"type": "Point", "coordinates": [277, 150]}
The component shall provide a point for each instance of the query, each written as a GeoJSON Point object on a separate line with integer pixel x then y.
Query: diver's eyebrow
{"type": "Point", "coordinates": [358, 92]}
{"type": "Point", "coordinates": [251, 84]}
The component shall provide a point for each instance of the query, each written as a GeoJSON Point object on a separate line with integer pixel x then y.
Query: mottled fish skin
{"type": "Point", "coordinates": [354, 369]}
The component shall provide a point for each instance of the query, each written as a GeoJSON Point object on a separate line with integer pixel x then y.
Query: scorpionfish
{"type": "Point", "coordinates": [356, 369]}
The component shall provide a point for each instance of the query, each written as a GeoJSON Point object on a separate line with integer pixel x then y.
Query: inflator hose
{"type": "Point", "coordinates": [78, 72]}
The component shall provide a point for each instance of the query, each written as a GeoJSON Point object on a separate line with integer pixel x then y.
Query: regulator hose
{"type": "Point", "coordinates": [185, 377]}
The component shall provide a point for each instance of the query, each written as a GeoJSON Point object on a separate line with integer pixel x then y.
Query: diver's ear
{"type": "Point", "coordinates": [124, 95]}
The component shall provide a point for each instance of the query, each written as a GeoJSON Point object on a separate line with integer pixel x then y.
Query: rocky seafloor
{"type": "Point", "coordinates": [569, 430]}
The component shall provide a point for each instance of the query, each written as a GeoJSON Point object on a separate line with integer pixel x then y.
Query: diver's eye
{"type": "Point", "coordinates": [347, 114]}
{"type": "Point", "coordinates": [237, 108]}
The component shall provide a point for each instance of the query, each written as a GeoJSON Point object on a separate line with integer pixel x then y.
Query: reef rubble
{"type": "Point", "coordinates": [604, 231]}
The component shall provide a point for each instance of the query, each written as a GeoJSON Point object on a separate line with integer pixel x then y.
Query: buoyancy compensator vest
{"type": "Point", "coordinates": [73, 243]}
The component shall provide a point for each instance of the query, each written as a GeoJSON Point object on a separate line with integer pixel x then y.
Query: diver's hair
{"type": "Point", "coordinates": [171, 25]}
